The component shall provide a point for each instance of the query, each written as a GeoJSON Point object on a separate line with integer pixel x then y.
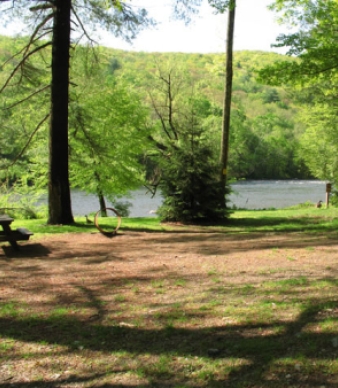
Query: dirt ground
{"type": "Point", "coordinates": [64, 295]}
{"type": "Point", "coordinates": [148, 253]}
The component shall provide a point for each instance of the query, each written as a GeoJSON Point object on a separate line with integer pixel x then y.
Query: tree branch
{"type": "Point", "coordinates": [35, 32]}
{"type": "Point", "coordinates": [170, 108]}
{"type": "Point", "coordinates": [169, 93]}
{"type": "Point", "coordinates": [27, 144]}
{"type": "Point", "coordinates": [41, 7]}
{"type": "Point", "coordinates": [83, 27]}
{"type": "Point", "coordinates": [22, 62]}
{"type": "Point", "coordinates": [159, 115]}
{"type": "Point", "coordinates": [26, 98]}
{"type": "Point", "coordinates": [32, 38]}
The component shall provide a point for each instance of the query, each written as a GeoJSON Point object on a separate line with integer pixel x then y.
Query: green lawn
{"type": "Point", "coordinates": [241, 221]}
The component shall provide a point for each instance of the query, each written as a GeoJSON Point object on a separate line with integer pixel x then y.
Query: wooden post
{"type": "Point", "coordinates": [328, 191]}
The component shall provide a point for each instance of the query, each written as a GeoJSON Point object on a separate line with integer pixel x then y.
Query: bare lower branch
{"type": "Point", "coordinates": [27, 144]}
{"type": "Point", "coordinates": [83, 27]}
{"type": "Point", "coordinates": [170, 108]}
{"type": "Point", "coordinates": [41, 7]}
{"type": "Point", "coordinates": [26, 98]}
{"type": "Point", "coordinates": [33, 38]}
{"type": "Point", "coordinates": [159, 115]}
{"type": "Point", "coordinates": [22, 62]}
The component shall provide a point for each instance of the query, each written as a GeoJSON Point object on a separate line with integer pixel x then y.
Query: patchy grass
{"type": "Point", "coordinates": [182, 310]}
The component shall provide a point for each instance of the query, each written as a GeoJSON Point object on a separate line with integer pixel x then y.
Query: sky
{"type": "Point", "coordinates": [256, 28]}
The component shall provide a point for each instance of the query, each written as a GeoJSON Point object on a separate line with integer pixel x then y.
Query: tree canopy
{"type": "Point", "coordinates": [51, 25]}
{"type": "Point", "coordinates": [314, 75]}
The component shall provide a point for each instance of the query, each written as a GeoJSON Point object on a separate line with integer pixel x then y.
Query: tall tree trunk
{"type": "Point", "coordinates": [59, 199]}
{"type": "Point", "coordinates": [102, 205]}
{"type": "Point", "coordinates": [227, 95]}
{"type": "Point", "coordinates": [100, 195]}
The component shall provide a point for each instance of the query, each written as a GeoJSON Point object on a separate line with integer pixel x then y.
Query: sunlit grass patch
{"type": "Point", "coordinates": [326, 321]}
{"type": "Point", "coordinates": [270, 271]}
{"type": "Point", "coordinates": [329, 325]}
{"type": "Point", "coordinates": [294, 282]}
{"type": "Point", "coordinates": [61, 312]}
{"type": "Point", "coordinates": [6, 344]}
{"type": "Point", "coordinates": [302, 365]}
{"type": "Point", "coordinates": [212, 272]}
{"type": "Point", "coordinates": [180, 282]}
{"type": "Point", "coordinates": [325, 283]}
{"type": "Point", "coordinates": [157, 283]}
{"type": "Point", "coordinates": [246, 289]}
{"type": "Point", "coordinates": [160, 368]}
{"type": "Point", "coordinates": [173, 315]}
{"type": "Point", "coordinates": [286, 284]}
{"type": "Point", "coordinates": [214, 303]}
{"type": "Point", "coordinates": [119, 298]}
{"type": "Point", "coordinates": [10, 309]}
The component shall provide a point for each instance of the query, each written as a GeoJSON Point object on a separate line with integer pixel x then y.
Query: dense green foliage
{"type": "Point", "coordinates": [264, 133]}
{"type": "Point", "coordinates": [61, 25]}
{"type": "Point", "coordinates": [313, 77]}
{"type": "Point", "coordinates": [107, 129]}
{"type": "Point", "coordinates": [115, 130]}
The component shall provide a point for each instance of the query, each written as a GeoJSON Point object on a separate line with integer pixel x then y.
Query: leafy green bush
{"type": "Point", "coordinates": [20, 201]}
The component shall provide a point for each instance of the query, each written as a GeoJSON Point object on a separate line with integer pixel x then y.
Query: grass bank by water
{"type": "Point", "coordinates": [298, 219]}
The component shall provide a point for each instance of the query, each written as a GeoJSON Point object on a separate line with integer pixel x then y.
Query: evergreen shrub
{"type": "Point", "coordinates": [191, 187]}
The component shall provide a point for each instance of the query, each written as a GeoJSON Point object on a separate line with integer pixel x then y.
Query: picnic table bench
{"type": "Point", "coordinates": [12, 236]}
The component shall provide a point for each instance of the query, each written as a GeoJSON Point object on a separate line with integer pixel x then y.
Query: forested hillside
{"type": "Point", "coordinates": [118, 100]}
{"type": "Point", "coordinates": [264, 134]}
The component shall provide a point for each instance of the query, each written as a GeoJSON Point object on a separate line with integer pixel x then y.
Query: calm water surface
{"type": "Point", "coordinates": [276, 194]}
{"type": "Point", "coordinates": [246, 194]}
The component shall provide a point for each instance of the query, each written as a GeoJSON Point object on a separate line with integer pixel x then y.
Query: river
{"type": "Point", "coordinates": [246, 194]}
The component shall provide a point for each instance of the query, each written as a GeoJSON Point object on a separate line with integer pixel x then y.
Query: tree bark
{"type": "Point", "coordinates": [227, 94]}
{"type": "Point", "coordinates": [102, 205]}
{"type": "Point", "coordinates": [101, 197]}
{"type": "Point", "coordinates": [59, 199]}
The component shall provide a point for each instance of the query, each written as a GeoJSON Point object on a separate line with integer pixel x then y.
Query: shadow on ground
{"type": "Point", "coordinates": [224, 342]}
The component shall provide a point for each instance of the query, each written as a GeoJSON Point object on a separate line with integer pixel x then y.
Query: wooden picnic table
{"type": "Point", "coordinates": [12, 236]}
